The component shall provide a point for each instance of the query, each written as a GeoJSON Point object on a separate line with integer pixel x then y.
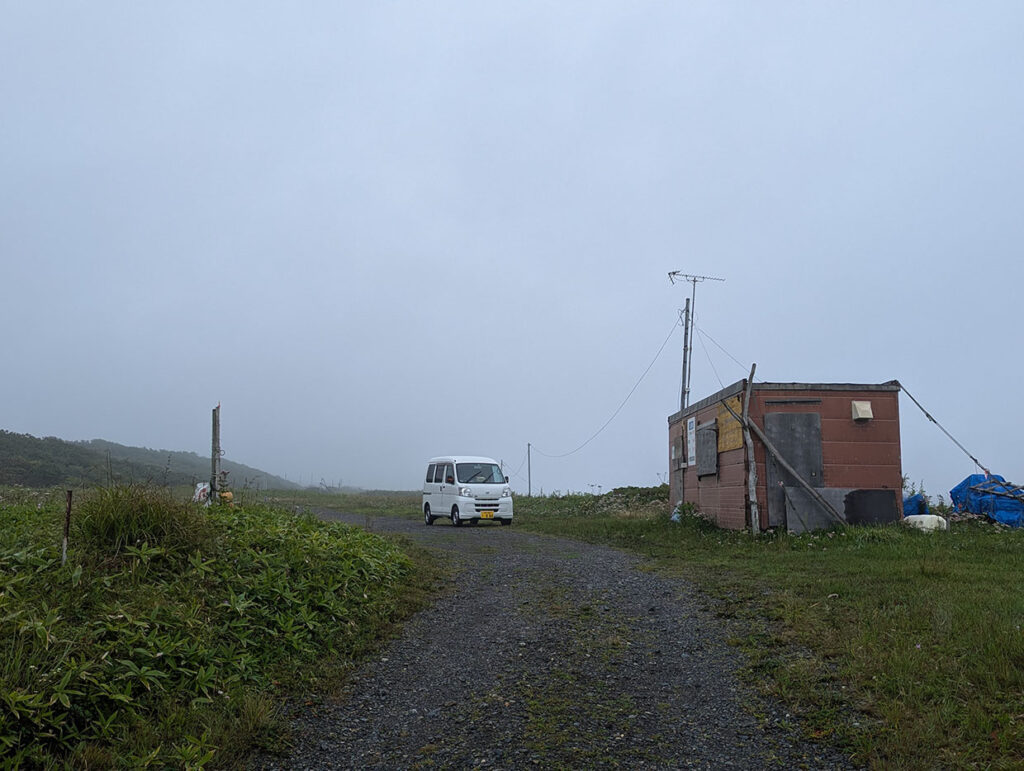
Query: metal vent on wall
{"type": "Point", "coordinates": [861, 411]}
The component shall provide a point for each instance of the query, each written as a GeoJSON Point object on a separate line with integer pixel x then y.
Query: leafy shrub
{"type": "Point", "coordinates": [109, 662]}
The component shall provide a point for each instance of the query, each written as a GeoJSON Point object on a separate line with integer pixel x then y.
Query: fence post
{"type": "Point", "coordinates": [215, 455]}
{"type": "Point", "coordinates": [67, 530]}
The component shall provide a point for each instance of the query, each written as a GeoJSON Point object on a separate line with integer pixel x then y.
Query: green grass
{"type": "Point", "coordinates": [905, 647]}
{"type": "Point", "coordinates": [385, 503]}
{"type": "Point", "coordinates": [173, 633]}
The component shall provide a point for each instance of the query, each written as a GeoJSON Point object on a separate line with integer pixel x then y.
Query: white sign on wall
{"type": "Point", "coordinates": [691, 441]}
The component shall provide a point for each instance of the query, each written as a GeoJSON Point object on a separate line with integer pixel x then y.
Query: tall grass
{"type": "Point", "coordinates": [112, 518]}
{"type": "Point", "coordinates": [905, 646]}
{"type": "Point", "coordinates": [173, 631]}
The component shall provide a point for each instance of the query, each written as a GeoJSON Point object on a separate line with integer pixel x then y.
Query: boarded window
{"type": "Point", "coordinates": [707, 449]}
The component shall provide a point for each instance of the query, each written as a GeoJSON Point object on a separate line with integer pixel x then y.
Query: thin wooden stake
{"type": "Point", "coordinates": [67, 530]}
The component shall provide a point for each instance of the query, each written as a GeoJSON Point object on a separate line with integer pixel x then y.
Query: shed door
{"type": "Point", "coordinates": [797, 437]}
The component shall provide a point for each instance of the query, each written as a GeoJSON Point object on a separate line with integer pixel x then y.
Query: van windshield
{"type": "Point", "coordinates": [480, 473]}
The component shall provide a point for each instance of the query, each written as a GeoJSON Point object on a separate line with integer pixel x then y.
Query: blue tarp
{"type": "Point", "coordinates": [915, 504]}
{"type": "Point", "coordinates": [1007, 510]}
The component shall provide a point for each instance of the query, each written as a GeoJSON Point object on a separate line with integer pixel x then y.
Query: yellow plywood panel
{"type": "Point", "coordinates": [730, 433]}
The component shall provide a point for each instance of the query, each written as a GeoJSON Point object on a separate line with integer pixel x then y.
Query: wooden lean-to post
{"type": "Point", "coordinates": [755, 517]}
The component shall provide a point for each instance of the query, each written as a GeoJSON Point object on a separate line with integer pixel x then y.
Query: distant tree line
{"type": "Point", "coordinates": [32, 462]}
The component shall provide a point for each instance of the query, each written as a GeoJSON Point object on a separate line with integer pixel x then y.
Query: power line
{"type": "Point", "coordinates": [933, 420]}
{"type": "Point", "coordinates": [520, 466]}
{"type": "Point", "coordinates": [619, 408]}
{"type": "Point", "coordinates": [708, 354]}
{"type": "Point", "coordinates": [709, 337]}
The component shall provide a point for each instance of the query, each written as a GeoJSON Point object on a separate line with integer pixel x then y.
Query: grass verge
{"type": "Point", "coordinates": [905, 647]}
{"type": "Point", "coordinates": [173, 633]}
{"type": "Point", "coordinates": [385, 503]}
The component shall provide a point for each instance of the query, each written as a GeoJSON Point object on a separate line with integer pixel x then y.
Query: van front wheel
{"type": "Point", "coordinates": [427, 519]}
{"type": "Point", "coordinates": [456, 519]}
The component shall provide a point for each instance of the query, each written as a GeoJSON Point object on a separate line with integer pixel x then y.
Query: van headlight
{"type": "Point", "coordinates": [465, 492]}
{"type": "Point", "coordinates": [506, 493]}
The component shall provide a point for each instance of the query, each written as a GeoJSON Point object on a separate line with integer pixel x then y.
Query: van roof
{"type": "Point", "coordinates": [463, 459]}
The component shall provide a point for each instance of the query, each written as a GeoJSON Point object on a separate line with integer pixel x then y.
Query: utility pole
{"type": "Point", "coordinates": [691, 305]}
{"type": "Point", "coordinates": [529, 475]}
{"type": "Point", "coordinates": [684, 389]}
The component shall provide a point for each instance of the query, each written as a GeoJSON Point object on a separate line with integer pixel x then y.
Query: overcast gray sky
{"type": "Point", "coordinates": [378, 232]}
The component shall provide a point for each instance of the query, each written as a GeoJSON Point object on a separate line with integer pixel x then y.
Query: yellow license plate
{"type": "Point", "coordinates": [486, 515]}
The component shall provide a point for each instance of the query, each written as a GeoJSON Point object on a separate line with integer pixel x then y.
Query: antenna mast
{"type": "Point", "coordinates": [691, 302]}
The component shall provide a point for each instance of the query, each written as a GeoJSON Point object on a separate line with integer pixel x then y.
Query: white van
{"type": "Point", "coordinates": [466, 488]}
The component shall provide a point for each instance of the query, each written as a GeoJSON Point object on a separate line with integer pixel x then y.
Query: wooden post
{"type": "Point", "coordinates": [684, 391]}
{"type": "Point", "coordinates": [755, 516]}
{"type": "Point", "coordinates": [215, 455]}
{"type": "Point", "coordinates": [67, 530]}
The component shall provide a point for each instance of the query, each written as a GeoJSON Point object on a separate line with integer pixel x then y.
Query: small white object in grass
{"type": "Point", "coordinates": [927, 522]}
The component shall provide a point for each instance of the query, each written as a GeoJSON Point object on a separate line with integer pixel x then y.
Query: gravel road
{"type": "Point", "coordinates": [549, 653]}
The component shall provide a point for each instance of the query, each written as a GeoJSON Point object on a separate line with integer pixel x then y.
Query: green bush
{"type": "Point", "coordinates": [172, 631]}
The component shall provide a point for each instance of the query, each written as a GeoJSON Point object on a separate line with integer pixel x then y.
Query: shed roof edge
{"type": "Point", "coordinates": [737, 387]}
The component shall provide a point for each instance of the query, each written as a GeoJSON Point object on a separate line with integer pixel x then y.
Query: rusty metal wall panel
{"type": "Point", "coordinates": [845, 430]}
{"type": "Point", "coordinates": [721, 498]}
{"type": "Point", "coordinates": [861, 454]}
{"type": "Point", "coordinates": [833, 404]}
{"type": "Point", "coordinates": [866, 477]}
{"type": "Point", "coordinates": [731, 469]}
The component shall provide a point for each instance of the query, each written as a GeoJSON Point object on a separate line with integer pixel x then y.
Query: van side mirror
{"type": "Point", "coordinates": [506, 478]}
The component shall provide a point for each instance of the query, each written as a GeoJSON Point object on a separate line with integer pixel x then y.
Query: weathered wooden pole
{"type": "Point", "coordinates": [67, 530]}
{"type": "Point", "coordinates": [684, 390]}
{"type": "Point", "coordinates": [755, 516]}
{"type": "Point", "coordinates": [215, 454]}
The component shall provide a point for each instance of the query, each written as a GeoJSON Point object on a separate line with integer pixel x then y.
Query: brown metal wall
{"type": "Point", "coordinates": [720, 497]}
{"type": "Point", "coordinates": [854, 455]}
{"type": "Point", "coordinates": [675, 431]}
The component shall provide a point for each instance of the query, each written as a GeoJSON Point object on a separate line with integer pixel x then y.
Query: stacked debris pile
{"type": "Point", "coordinates": [991, 496]}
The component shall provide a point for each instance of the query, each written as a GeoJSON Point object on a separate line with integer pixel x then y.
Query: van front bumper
{"type": "Point", "coordinates": [485, 508]}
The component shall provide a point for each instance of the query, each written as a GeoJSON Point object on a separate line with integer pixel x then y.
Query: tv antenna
{"type": "Point", "coordinates": [691, 303]}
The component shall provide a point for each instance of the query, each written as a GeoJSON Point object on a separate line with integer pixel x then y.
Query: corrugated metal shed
{"type": "Point", "coordinates": [840, 442]}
